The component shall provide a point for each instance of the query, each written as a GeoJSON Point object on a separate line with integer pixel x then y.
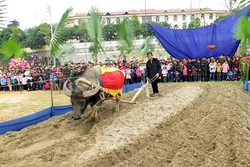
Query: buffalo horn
{"type": "Point", "coordinates": [66, 90]}
{"type": "Point", "coordinates": [91, 92]}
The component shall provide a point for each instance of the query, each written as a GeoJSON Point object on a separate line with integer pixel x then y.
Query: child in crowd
{"type": "Point", "coordinates": [46, 85]}
{"type": "Point", "coordinates": [164, 74]}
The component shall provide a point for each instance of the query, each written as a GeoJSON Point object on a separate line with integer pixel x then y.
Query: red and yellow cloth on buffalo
{"type": "Point", "coordinates": [112, 80]}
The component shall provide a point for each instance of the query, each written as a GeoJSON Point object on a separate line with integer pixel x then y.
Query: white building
{"type": "Point", "coordinates": [177, 18]}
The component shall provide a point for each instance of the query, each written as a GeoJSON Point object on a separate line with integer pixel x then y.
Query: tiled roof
{"type": "Point", "coordinates": [148, 11]}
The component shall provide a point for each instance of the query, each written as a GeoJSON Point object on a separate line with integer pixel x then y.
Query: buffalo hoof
{"type": "Point", "coordinates": [75, 117]}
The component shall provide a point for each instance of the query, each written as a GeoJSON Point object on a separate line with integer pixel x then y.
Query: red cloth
{"type": "Point", "coordinates": [113, 80]}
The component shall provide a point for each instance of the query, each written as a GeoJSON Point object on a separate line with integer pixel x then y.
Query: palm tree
{"type": "Point", "coordinates": [94, 27]}
{"type": "Point", "coordinates": [2, 13]}
{"type": "Point", "coordinates": [242, 33]}
{"type": "Point", "coordinates": [57, 37]}
{"type": "Point", "coordinates": [67, 50]}
{"type": "Point", "coordinates": [126, 36]}
{"type": "Point", "coordinates": [11, 49]}
{"type": "Point", "coordinates": [146, 46]}
{"type": "Point", "coordinates": [242, 3]}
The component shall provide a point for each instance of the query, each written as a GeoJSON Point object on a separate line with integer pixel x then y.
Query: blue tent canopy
{"type": "Point", "coordinates": [193, 43]}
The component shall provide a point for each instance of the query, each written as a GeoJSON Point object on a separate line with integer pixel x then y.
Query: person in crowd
{"type": "Point", "coordinates": [170, 71]}
{"type": "Point", "coordinates": [194, 73]}
{"type": "Point", "coordinates": [235, 74]}
{"type": "Point", "coordinates": [225, 69]}
{"type": "Point", "coordinates": [153, 66]}
{"type": "Point", "coordinates": [229, 76]}
{"type": "Point", "coordinates": [212, 69]}
{"type": "Point", "coordinates": [218, 71]}
{"type": "Point", "coordinates": [164, 74]}
{"type": "Point", "coordinates": [235, 63]}
{"type": "Point", "coordinates": [189, 67]}
{"type": "Point", "coordinates": [184, 73]}
{"type": "Point", "coordinates": [198, 67]}
{"type": "Point", "coordinates": [204, 72]}
{"type": "Point", "coordinates": [138, 73]}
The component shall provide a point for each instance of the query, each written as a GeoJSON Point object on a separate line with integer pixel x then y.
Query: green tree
{"type": "Point", "coordinates": [162, 24]}
{"type": "Point", "coordinates": [136, 26]}
{"type": "Point", "coordinates": [146, 30]}
{"type": "Point", "coordinates": [5, 34]}
{"type": "Point", "coordinates": [12, 32]}
{"type": "Point", "coordinates": [13, 23]}
{"type": "Point", "coordinates": [35, 39]}
{"type": "Point", "coordinates": [95, 32]}
{"type": "Point", "coordinates": [218, 19]}
{"type": "Point", "coordinates": [45, 30]}
{"type": "Point", "coordinates": [195, 23]}
{"type": "Point", "coordinates": [110, 32]}
{"type": "Point", "coordinates": [82, 32]}
{"type": "Point", "coordinates": [15, 34]}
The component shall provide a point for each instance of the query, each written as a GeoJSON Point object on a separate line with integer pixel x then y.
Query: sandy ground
{"type": "Point", "coordinates": [203, 124]}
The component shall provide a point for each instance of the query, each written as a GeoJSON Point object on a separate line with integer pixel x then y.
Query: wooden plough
{"type": "Point", "coordinates": [143, 87]}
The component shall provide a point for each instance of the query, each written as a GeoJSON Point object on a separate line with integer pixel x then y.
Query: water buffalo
{"type": "Point", "coordinates": [88, 90]}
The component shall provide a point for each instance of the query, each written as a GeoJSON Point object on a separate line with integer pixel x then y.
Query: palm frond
{"type": "Point", "coordinates": [126, 36]}
{"type": "Point", "coordinates": [66, 50]}
{"type": "Point", "coordinates": [146, 45]}
{"type": "Point", "coordinates": [241, 31]}
{"type": "Point", "coordinates": [11, 48]}
{"type": "Point", "coordinates": [95, 31]}
{"type": "Point", "coordinates": [242, 28]}
{"type": "Point", "coordinates": [57, 37]}
{"type": "Point", "coordinates": [2, 13]}
{"type": "Point", "coordinates": [244, 3]}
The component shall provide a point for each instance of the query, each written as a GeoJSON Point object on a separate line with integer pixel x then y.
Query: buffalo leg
{"type": "Point", "coordinates": [117, 104]}
{"type": "Point", "coordinates": [95, 109]}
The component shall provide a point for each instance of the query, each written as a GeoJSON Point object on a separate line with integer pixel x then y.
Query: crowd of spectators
{"type": "Point", "coordinates": [40, 75]}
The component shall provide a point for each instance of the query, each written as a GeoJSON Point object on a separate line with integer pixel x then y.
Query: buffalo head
{"type": "Point", "coordinates": [79, 95]}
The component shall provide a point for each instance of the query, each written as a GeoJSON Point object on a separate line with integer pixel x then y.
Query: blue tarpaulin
{"type": "Point", "coordinates": [193, 43]}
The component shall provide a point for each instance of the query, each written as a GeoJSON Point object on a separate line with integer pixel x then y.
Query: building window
{"type": "Point", "coordinates": [184, 17]}
{"type": "Point", "coordinates": [202, 16]}
{"type": "Point", "coordinates": [166, 18]}
{"type": "Point", "coordinates": [211, 16]}
{"type": "Point", "coordinates": [108, 20]}
{"type": "Point", "coordinates": [157, 19]}
{"type": "Point", "coordinates": [175, 18]}
{"type": "Point", "coordinates": [184, 26]}
{"type": "Point", "coordinates": [117, 20]}
{"type": "Point", "coordinates": [148, 19]}
{"type": "Point", "coordinates": [79, 21]}
{"type": "Point", "coordinates": [192, 17]}
{"type": "Point", "coordinates": [175, 26]}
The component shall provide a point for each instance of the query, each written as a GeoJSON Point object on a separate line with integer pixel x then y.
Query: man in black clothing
{"type": "Point", "coordinates": [204, 69]}
{"type": "Point", "coordinates": [153, 67]}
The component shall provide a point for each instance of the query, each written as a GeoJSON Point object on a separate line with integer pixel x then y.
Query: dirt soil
{"type": "Point", "coordinates": [189, 125]}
